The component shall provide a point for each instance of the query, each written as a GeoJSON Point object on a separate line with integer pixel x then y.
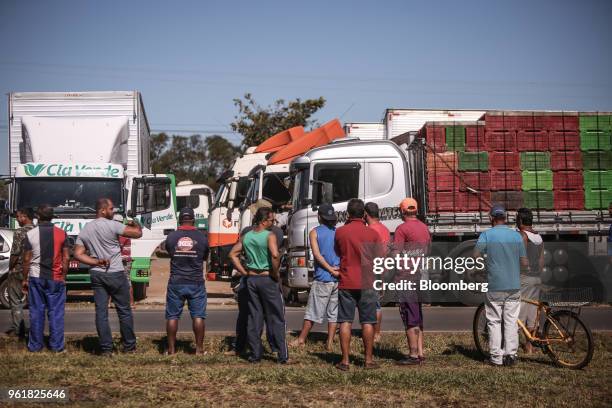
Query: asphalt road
{"type": "Point", "coordinates": [441, 319]}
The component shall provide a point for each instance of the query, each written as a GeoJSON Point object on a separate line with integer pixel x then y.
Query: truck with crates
{"type": "Point", "coordinates": [557, 164]}
{"type": "Point", "coordinates": [68, 149]}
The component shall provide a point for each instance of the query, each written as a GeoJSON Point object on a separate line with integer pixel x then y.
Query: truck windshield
{"type": "Point", "coordinates": [68, 196]}
{"type": "Point", "coordinates": [300, 189]}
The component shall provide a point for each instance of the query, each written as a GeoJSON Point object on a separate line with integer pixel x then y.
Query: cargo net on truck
{"type": "Point", "coordinates": [558, 164]}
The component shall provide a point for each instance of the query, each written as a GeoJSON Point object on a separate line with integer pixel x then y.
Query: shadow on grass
{"type": "Point", "coordinates": [471, 353]}
{"type": "Point", "coordinates": [186, 346]}
{"type": "Point", "coordinates": [88, 344]}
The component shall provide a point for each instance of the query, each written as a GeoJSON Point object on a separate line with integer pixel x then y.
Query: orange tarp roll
{"type": "Point", "coordinates": [280, 140]}
{"type": "Point", "coordinates": [318, 137]}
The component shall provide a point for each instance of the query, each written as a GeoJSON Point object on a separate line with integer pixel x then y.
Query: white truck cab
{"type": "Point", "coordinates": [196, 196]}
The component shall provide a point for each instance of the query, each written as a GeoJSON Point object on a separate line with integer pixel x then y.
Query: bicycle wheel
{"type": "Point", "coordinates": [571, 344]}
{"type": "Point", "coordinates": [481, 332]}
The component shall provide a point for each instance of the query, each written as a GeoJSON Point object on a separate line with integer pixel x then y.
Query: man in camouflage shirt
{"type": "Point", "coordinates": [24, 217]}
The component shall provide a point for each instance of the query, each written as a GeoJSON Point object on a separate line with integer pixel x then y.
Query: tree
{"type": "Point", "coordinates": [258, 123]}
{"type": "Point", "coordinates": [192, 158]}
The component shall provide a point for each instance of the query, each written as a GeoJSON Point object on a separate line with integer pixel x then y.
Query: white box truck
{"type": "Point", "coordinates": [69, 149]}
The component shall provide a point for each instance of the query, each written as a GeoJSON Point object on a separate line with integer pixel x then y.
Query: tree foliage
{"type": "Point", "coordinates": [257, 123]}
{"type": "Point", "coordinates": [194, 158]}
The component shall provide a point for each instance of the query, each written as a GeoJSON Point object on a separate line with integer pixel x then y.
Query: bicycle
{"type": "Point", "coordinates": [565, 338]}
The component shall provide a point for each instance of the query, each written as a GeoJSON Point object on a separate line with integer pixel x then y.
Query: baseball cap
{"type": "Point", "coordinates": [327, 212]}
{"type": "Point", "coordinates": [186, 212]}
{"type": "Point", "coordinates": [408, 204]}
{"type": "Point", "coordinates": [498, 210]}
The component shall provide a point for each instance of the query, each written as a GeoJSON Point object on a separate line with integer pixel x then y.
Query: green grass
{"type": "Point", "coordinates": [453, 375]}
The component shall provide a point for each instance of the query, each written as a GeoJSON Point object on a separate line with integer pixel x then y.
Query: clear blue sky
{"type": "Point", "coordinates": [190, 58]}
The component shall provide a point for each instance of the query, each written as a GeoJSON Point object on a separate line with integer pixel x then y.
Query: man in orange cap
{"type": "Point", "coordinates": [412, 236]}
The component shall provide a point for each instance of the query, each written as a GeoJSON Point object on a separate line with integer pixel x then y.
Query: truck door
{"type": "Point", "coordinates": [385, 186]}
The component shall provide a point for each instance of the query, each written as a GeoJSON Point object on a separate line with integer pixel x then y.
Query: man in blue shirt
{"type": "Point", "coordinates": [188, 249]}
{"type": "Point", "coordinates": [505, 255]}
{"type": "Point", "coordinates": [323, 297]}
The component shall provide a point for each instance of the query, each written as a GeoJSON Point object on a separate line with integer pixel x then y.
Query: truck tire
{"type": "Point", "coordinates": [468, 298]}
{"type": "Point", "coordinates": [140, 290]}
{"type": "Point", "coordinates": [4, 294]}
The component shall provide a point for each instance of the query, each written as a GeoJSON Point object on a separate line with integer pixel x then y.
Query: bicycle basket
{"type": "Point", "coordinates": [567, 297]}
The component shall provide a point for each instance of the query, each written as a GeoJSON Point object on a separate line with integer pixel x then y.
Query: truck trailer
{"type": "Point", "coordinates": [456, 170]}
{"type": "Point", "coordinates": [68, 149]}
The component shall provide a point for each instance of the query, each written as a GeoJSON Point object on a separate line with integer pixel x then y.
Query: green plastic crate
{"type": "Point", "coordinates": [473, 161]}
{"type": "Point", "coordinates": [596, 122]}
{"type": "Point", "coordinates": [594, 160]}
{"type": "Point", "coordinates": [595, 140]}
{"type": "Point", "coordinates": [455, 138]}
{"type": "Point", "coordinates": [535, 161]}
{"type": "Point", "coordinates": [538, 199]}
{"type": "Point", "coordinates": [597, 179]}
{"type": "Point", "coordinates": [597, 199]}
{"type": "Point", "coordinates": [538, 180]}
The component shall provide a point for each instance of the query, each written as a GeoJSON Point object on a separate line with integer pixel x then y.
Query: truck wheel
{"type": "Point", "coordinates": [140, 290]}
{"type": "Point", "coordinates": [4, 294]}
{"type": "Point", "coordinates": [464, 296]}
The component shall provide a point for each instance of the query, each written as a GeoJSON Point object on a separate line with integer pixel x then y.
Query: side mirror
{"type": "Point", "coordinates": [327, 192]}
{"type": "Point", "coordinates": [232, 195]}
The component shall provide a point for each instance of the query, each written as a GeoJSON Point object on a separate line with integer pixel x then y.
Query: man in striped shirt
{"type": "Point", "coordinates": [44, 266]}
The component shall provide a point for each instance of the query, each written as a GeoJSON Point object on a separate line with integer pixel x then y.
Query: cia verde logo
{"type": "Point", "coordinates": [162, 218]}
{"type": "Point", "coordinates": [70, 226]}
{"type": "Point", "coordinates": [33, 170]}
{"type": "Point", "coordinates": [77, 170]}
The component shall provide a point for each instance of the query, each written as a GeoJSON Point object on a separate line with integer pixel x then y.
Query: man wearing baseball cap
{"type": "Point", "coordinates": [188, 249]}
{"type": "Point", "coordinates": [505, 255]}
{"type": "Point", "coordinates": [323, 297]}
{"type": "Point", "coordinates": [413, 237]}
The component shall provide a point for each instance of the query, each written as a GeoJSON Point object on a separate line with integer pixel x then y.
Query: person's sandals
{"type": "Point", "coordinates": [371, 366]}
{"type": "Point", "coordinates": [343, 367]}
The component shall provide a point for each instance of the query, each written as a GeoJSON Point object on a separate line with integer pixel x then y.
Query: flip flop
{"type": "Point", "coordinates": [343, 367]}
{"type": "Point", "coordinates": [371, 366]}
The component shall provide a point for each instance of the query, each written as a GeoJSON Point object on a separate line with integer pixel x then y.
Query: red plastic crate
{"type": "Point", "coordinates": [442, 181]}
{"type": "Point", "coordinates": [566, 160]}
{"type": "Point", "coordinates": [477, 180]}
{"type": "Point", "coordinates": [443, 201]}
{"type": "Point", "coordinates": [475, 140]}
{"type": "Point", "coordinates": [528, 141]}
{"type": "Point", "coordinates": [512, 200]}
{"type": "Point", "coordinates": [561, 122]}
{"type": "Point", "coordinates": [513, 122]}
{"type": "Point", "coordinates": [504, 140]}
{"type": "Point", "coordinates": [504, 161]}
{"type": "Point", "coordinates": [435, 137]}
{"type": "Point", "coordinates": [478, 202]}
{"type": "Point", "coordinates": [568, 180]}
{"type": "Point", "coordinates": [558, 140]}
{"type": "Point", "coordinates": [506, 180]}
{"type": "Point", "coordinates": [441, 161]}
{"type": "Point", "coordinates": [568, 199]}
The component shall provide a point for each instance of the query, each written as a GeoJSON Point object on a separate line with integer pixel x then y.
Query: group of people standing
{"type": "Point", "coordinates": [342, 272]}
{"type": "Point", "coordinates": [38, 266]}
{"type": "Point", "coordinates": [341, 282]}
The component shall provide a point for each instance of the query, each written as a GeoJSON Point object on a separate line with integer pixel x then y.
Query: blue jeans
{"type": "Point", "coordinates": [177, 294]}
{"type": "Point", "coordinates": [116, 286]}
{"type": "Point", "coordinates": [50, 296]}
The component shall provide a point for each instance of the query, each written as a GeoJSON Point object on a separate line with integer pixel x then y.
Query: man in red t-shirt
{"type": "Point", "coordinates": [412, 236]}
{"type": "Point", "coordinates": [356, 244]}
{"type": "Point", "coordinates": [372, 218]}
